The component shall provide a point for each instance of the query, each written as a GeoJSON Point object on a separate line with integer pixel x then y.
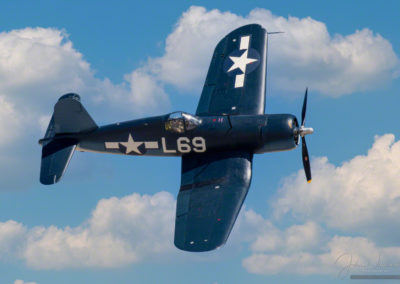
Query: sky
{"type": "Point", "coordinates": [111, 218]}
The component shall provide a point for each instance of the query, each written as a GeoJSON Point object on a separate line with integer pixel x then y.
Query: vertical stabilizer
{"type": "Point", "coordinates": [69, 118]}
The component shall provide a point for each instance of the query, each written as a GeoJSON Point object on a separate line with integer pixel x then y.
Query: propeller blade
{"type": "Point", "coordinates": [303, 111]}
{"type": "Point", "coordinates": [306, 159]}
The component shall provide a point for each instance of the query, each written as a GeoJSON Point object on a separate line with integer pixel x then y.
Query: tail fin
{"type": "Point", "coordinates": [69, 117]}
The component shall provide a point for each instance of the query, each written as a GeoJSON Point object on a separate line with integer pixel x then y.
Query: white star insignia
{"type": "Point", "coordinates": [241, 62]}
{"type": "Point", "coordinates": [131, 145]}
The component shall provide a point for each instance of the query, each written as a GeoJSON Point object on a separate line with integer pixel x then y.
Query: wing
{"type": "Point", "coordinates": [213, 188]}
{"type": "Point", "coordinates": [235, 82]}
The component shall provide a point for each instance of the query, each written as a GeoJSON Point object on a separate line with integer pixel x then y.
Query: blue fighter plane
{"type": "Point", "coordinates": [216, 144]}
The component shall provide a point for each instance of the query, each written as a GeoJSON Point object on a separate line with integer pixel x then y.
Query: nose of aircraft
{"type": "Point", "coordinates": [303, 131]}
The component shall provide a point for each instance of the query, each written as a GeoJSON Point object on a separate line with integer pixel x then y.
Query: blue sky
{"type": "Point", "coordinates": [111, 217]}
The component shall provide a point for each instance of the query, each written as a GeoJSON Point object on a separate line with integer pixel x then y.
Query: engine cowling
{"type": "Point", "coordinates": [279, 134]}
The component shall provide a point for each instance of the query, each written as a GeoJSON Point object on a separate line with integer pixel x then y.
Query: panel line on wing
{"type": "Point", "coordinates": [202, 183]}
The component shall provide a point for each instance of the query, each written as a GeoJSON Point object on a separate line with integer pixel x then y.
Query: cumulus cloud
{"type": "Point", "coordinates": [120, 231]}
{"type": "Point", "coordinates": [124, 231]}
{"type": "Point", "coordinates": [145, 92]}
{"type": "Point", "coordinates": [11, 236]}
{"type": "Point", "coordinates": [10, 121]}
{"type": "Point", "coordinates": [305, 55]}
{"type": "Point", "coordinates": [37, 65]}
{"type": "Point", "coordinates": [296, 237]}
{"type": "Point", "coordinates": [42, 59]}
{"type": "Point", "coordinates": [340, 256]}
{"type": "Point", "coordinates": [360, 195]}
{"type": "Point", "coordinates": [308, 249]}
{"type": "Point", "coordinates": [354, 210]}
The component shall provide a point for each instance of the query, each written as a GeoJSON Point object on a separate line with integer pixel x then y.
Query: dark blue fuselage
{"type": "Point", "coordinates": [150, 136]}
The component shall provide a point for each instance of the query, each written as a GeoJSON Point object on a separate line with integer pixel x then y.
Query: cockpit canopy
{"type": "Point", "coordinates": [181, 121]}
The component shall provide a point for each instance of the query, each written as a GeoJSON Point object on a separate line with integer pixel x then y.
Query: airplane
{"type": "Point", "coordinates": [216, 144]}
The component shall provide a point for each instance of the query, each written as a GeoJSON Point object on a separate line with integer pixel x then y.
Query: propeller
{"type": "Point", "coordinates": [303, 131]}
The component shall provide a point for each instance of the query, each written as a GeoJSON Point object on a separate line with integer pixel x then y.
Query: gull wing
{"type": "Point", "coordinates": [213, 188]}
{"type": "Point", "coordinates": [236, 78]}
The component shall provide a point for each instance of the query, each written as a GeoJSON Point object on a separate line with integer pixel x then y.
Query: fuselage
{"type": "Point", "coordinates": [179, 133]}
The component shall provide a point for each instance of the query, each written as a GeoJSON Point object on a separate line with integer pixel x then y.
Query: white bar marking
{"type": "Point", "coordinates": [112, 145]}
{"type": "Point", "coordinates": [244, 42]}
{"type": "Point", "coordinates": [151, 145]}
{"type": "Point", "coordinates": [239, 81]}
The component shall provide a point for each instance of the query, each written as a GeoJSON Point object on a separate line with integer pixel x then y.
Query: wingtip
{"type": "Point", "coordinates": [49, 179]}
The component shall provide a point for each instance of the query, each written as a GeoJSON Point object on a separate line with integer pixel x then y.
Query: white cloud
{"type": "Point", "coordinates": [12, 235]}
{"type": "Point", "coordinates": [40, 58]}
{"type": "Point", "coordinates": [305, 55]}
{"type": "Point", "coordinates": [124, 231]}
{"type": "Point", "coordinates": [10, 121]}
{"type": "Point", "coordinates": [189, 48]}
{"type": "Point", "coordinates": [145, 91]}
{"type": "Point", "coordinates": [38, 65]}
{"type": "Point", "coordinates": [334, 258]}
{"type": "Point", "coordinates": [357, 204]}
{"type": "Point", "coordinates": [360, 195]}
{"type": "Point", "coordinates": [296, 237]}
{"type": "Point", "coordinates": [121, 231]}
{"type": "Point", "coordinates": [341, 256]}
{"type": "Point", "coordinates": [307, 249]}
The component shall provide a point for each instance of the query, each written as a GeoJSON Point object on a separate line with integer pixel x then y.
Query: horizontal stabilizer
{"type": "Point", "coordinates": [56, 155]}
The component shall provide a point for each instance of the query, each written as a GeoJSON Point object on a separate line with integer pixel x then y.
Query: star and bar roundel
{"type": "Point", "coordinates": [132, 146]}
{"type": "Point", "coordinates": [242, 61]}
